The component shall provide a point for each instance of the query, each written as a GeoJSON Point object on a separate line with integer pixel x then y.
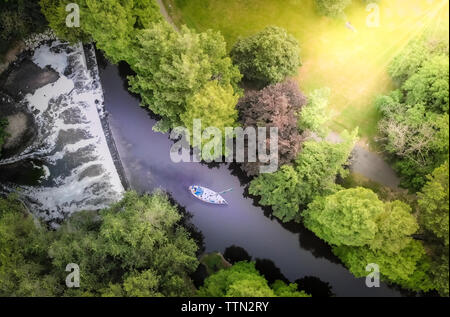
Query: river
{"type": "Point", "coordinates": [147, 165]}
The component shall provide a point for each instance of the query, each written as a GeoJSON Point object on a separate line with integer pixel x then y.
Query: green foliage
{"type": "Point", "coordinates": [416, 137]}
{"type": "Point", "coordinates": [122, 20]}
{"type": "Point", "coordinates": [332, 8]}
{"type": "Point", "coordinates": [18, 19]}
{"type": "Point", "coordinates": [215, 105]}
{"type": "Point", "coordinates": [136, 247]}
{"type": "Point", "coordinates": [314, 116]}
{"type": "Point", "coordinates": [433, 204]}
{"type": "Point", "coordinates": [408, 267]}
{"type": "Point", "coordinates": [140, 233]}
{"type": "Point", "coordinates": [267, 57]}
{"type": "Point", "coordinates": [143, 284]}
{"type": "Point", "coordinates": [241, 275]}
{"type": "Point", "coordinates": [243, 280]}
{"type": "Point", "coordinates": [440, 271]}
{"type": "Point", "coordinates": [281, 289]}
{"type": "Point", "coordinates": [279, 190]}
{"type": "Point", "coordinates": [173, 70]}
{"type": "Point", "coordinates": [313, 174]}
{"type": "Point", "coordinates": [363, 230]}
{"type": "Point", "coordinates": [415, 123]}
{"type": "Point", "coordinates": [429, 85]}
{"type": "Point", "coordinates": [112, 24]}
{"type": "Point", "coordinates": [416, 53]}
{"type": "Point", "coordinates": [23, 253]}
{"type": "Point", "coordinates": [55, 13]}
{"type": "Point", "coordinates": [356, 217]}
{"type": "Point", "coordinates": [396, 225]}
{"type": "Point", "coordinates": [345, 218]}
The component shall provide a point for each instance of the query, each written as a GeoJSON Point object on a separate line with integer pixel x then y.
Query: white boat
{"type": "Point", "coordinates": [207, 195]}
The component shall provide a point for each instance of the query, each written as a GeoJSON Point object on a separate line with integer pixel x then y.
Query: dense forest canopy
{"type": "Point", "coordinates": [415, 123]}
{"type": "Point", "coordinates": [140, 246]}
{"type": "Point", "coordinates": [136, 247]}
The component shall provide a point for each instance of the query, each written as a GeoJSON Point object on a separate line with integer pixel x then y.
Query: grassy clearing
{"type": "Point", "coordinates": [352, 64]}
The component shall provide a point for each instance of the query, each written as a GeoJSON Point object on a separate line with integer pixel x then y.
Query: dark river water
{"type": "Point", "coordinates": [146, 161]}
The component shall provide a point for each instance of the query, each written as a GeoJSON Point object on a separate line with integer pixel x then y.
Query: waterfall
{"type": "Point", "coordinates": [80, 173]}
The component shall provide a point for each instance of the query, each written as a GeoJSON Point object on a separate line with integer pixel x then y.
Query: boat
{"type": "Point", "coordinates": [207, 195]}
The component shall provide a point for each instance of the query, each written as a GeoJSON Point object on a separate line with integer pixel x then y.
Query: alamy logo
{"type": "Point", "coordinates": [73, 279]}
{"type": "Point", "coordinates": [373, 19]}
{"type": "Point", "coordinates": [208, 145]}
{"type": "Point", "coordinates": [73, 18]}
{"type": "Point", "coordinates": [373, 278]}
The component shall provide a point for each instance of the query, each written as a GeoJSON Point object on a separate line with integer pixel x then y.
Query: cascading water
{"type": "Point", "coordinates": [78, 171]}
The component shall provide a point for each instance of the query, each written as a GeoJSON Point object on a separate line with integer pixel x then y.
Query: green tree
{"type": "Point", "coordinates": [313, 174]}
{"type": "Point", "coordinates": [142, 284]}
{"type": "Point", "coordinates": [24, 263]}
{"type": "Point", "coordinates": [172, 67]}
{"type": "Point", "coordinates": [282, 289]}
{"type": "Point", "coordinates": [364, 230]}
{"type": "Point", "coordinates": [249, 288]}
{"type": "Point", "coordinates": [440, 271]}
{"type": "Point", "coordinates": [19, 19]}
{"type": "Point", "coordinates": [267, 57]}
{"type": "Point", "coordinates": [134, 248]}
{"type": "Point", "coordinates": [243, 280]}
{"type": "Point", "coordinates": [417, 52]}
{"type": "Point", "coordinates": [357, 217]}
{"type": "Point", "coordinates": [55, 13]}
{"type": "Point", "coordinates": [241, 275]}
{"type": "Point", "coordinates": [409, 267]}
{"type": "Point", "coordinates": [112, 24]}
{"type": "Point", "coordinates": [396, 225]}
{"type": "Point", "coordinates": [77, 242]}
{"type": "Point", "coordinates": [433, 204]}
{"type": "Point", "coordinates": [332, 8]}
{"type": "Point", "coordinates": [280, 191]}
{"type": "Point", "coordinates": [144, 232]}
{"type": "Point", "coordinates": [314, 116]}
{"type": "Point", "coordinates": [417, 138]}
{"type": "Point", "coordinates": [415, 121]}
{"type": "Point", "coordinates": [215, 105]}
{"type": "Point", "coordinates": [345, 218]}
{"type": "Point", "coordinates": [429, 85]}
{"type": "Point", "coordinates": [121, 19]}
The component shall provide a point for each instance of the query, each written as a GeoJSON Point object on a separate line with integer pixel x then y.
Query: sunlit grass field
{"type": "Point", "coordinates": [352, 64]}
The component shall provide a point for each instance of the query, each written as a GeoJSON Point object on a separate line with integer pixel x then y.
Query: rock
{"type": "Point", "coordinates": [21, 126]}
{"type": "Point", "coordinates": [16, 128]}
{"type": "Point", "coordinates": [19, 82]}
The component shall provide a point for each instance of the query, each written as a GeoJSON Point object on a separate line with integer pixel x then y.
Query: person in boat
{"type": "Point", "coordinates": [197, 190]}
